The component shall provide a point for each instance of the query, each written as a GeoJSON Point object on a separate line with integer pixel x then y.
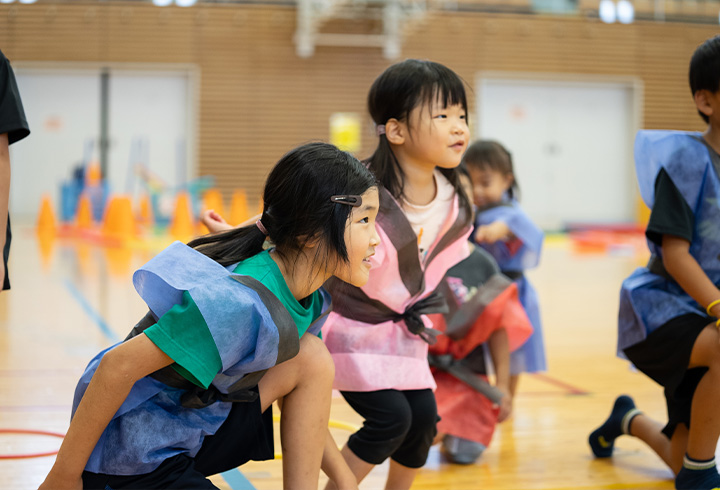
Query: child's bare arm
{"type": "Point", "coordinates": [216, 223]}
{"type": "Point", "coordinates": [687, 272]}
{"type": "Point", "coordinates": [117, 373]}
{"type": "Point", "coordinates": [499, 346]}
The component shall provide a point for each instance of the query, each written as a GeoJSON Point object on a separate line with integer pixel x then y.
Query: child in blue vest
{"type": "Point", "coordinates": [504, 230]}
{"type": "Point", "coordinates": [232, 328]}
{"type": "Point", "coordinates": [668, 310]}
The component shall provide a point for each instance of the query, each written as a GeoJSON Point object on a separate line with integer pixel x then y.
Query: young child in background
{"type": "Point", "coordinates": [507, 233]}
{"type": "Point", "coordinates": [232, 328]}
{"type": "Point", "coordinates": [378, 334]}
{"type": "Point", "coordinates": [484, 311]}
{"type": "Point", "coordinates": [668, 309]}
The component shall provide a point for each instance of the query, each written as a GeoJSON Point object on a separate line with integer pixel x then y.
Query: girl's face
{"type": "Point", "coordinates": [489, 186]}
{"type": "Point", "coordinates": [438, 136]}
{"type": "Point", "coordinates": [361, 238]}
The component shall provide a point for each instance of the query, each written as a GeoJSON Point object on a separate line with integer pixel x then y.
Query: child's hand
{"type": "Point", "coordinates": [214, 221]}
{"type": "Point", "coordinates": [494, 232]}
{"type": "Point", "coordinates": [505, 405]}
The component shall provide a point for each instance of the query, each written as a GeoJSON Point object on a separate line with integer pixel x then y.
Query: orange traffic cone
{"type": "Point", "coordinates": [118, 221]}
{"type": "Point", "coordinates": [238, 208]}
{"type": "Point", "coordinates": [145, 213]}
{"type": "Point", "coordinates": [83, 216]}
{"type": "Point", "coordinates": [46, 226]}
{"type": "Point", "coordinates": [182, 226]}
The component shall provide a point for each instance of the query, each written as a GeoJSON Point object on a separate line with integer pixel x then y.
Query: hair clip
{"type": "Point", "coordinates": [380, 129]}
{"type": "Point", "coordinates": [350, 200]}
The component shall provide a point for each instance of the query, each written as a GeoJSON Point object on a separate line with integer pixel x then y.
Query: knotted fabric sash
{"type": "Point", "coordinates": [357, 305]}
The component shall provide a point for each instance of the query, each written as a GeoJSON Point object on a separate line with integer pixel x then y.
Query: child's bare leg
{"type": "Point", "coordinates": [400, 477]}
{"type": "Point", "coordinates": [305, 385]}
{"type": "Point", "coordinates": [705, 428]}
{"type": "Point", "coordinates": [699, 469]}
{"type": "Point", "coordinates": [650, 432]}
{"type": "Point", "coordinates": [359, 467]}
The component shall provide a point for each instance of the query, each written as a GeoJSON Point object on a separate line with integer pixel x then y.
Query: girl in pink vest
{"type": "Point", "coordinates": [378, 334]}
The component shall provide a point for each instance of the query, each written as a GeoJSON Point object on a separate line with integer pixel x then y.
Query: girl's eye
{"type": "Point", "coordinates": [464, 116]}
{"type": "Point", "coordinates": [365, 220]}
{"type": "Point", "coordinates": [441, 116]}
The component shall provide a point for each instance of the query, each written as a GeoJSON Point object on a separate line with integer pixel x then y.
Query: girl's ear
{"type": "Point", "coordinates": [702, 103]}
{"type": "Point", "coordinates": [509, 180]}
{"type": "Point", "coordinates": [395, 131]}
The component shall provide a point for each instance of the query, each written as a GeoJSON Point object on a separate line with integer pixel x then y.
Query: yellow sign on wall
{"type": "Point", "coordinates": [345, 131]}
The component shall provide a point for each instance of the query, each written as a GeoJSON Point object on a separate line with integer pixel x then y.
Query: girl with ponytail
{"type": "Point", "coordinates": [232, 327]}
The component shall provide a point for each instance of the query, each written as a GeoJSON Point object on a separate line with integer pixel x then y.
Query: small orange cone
{"type": "Point", "coordinates": [238, 208]}
{"type": "Point", "coordinates": [83, 216]}
{"type": "Point", "coordinates": [145, 213]}
{"type": "Point", "coordinates": [182, 226]}
{"type": "Point", "coordinates": [46, 226]}
{"type": "Point", "coordinates": [212, 199]}
{"type": "Point", "coordinates": [119, 221]}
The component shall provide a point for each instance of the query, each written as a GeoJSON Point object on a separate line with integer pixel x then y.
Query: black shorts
{"type": "Point", "coordinates": [400, 425]}
{"type": "Point", "coordinates": [246, 435]}
{"type": "Point", "coordinates": [6, 255]}
{"type": "Point", "coordinates": [664, 356]}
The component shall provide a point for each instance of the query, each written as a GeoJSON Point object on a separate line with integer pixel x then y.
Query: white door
{"type": "Point", "coordinates": [571, 144]}
{"type": "Point", "coordinates": [150, 123]}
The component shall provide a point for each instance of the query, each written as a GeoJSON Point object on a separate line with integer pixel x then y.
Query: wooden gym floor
{"type": "Point", "coordinates": [71, 298]}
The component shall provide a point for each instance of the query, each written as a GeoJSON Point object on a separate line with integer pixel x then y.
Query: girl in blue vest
{"type": "Point", "coordinates": [668, 325]}
{"type": "Point", "coordinates": [504, 230]}
{"type": "Point", "coordinates": [232, 328]}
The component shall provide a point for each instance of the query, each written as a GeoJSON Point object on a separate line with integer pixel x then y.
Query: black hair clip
{"type": "Point", "coordinates": [350, 200]}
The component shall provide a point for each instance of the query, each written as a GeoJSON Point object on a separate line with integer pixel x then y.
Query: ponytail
{"type": "Point", "coordinates": [231, 246]}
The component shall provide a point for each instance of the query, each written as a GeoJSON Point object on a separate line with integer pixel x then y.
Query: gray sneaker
{"type": "Point", "coordinates": [462, 451]}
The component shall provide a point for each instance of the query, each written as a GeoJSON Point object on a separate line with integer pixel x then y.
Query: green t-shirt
{"type": "Point", "coordinates": [184, 336]}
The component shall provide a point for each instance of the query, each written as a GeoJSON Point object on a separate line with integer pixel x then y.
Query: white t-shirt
{"type": "Point", "coordinates": [427, 220]}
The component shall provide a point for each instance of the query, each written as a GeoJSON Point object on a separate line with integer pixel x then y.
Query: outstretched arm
{"type": "Point", "coordinates": [118, 371]}
{"type": "Point", "coordinates": [687, 272]}
{"type": "Point", "coordinates": [216, 223]}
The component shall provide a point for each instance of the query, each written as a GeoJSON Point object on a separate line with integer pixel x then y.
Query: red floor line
{"type": "Point", "coordinates": [560, 384]}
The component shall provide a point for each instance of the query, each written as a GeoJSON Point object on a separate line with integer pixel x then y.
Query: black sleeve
{"type": "Point", "coordinates": [670, 214]}
{"type": "Point", "coordinates": [12, 115]}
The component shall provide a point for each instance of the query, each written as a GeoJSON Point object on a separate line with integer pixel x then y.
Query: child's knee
{"type": "Point", "coordinates": [315, 359]}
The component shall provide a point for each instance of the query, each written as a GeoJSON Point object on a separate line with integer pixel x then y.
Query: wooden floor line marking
{"type": "Point", "coordinates": [560, 384]}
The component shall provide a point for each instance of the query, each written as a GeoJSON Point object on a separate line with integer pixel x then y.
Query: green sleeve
{"type": "Point", "coordinates": [183, 335]}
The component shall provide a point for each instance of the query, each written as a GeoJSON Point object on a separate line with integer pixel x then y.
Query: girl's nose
{"type": "Point", "coordinates": [375, 239]}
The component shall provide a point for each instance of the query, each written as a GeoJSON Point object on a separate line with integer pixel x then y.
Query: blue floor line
{"type": "Point", "coordinates": [237, 480]}
{"type": "Point", "coordinates": [94, 315]}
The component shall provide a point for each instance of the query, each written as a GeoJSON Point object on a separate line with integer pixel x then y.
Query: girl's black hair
{"type": "Point", "coordinates": [297, 207]}
{"type": "Point", "coordinates": [705, 68]}
{"type": "Point", "coordinates": [491, 155]}
{"type": "Point", "coordinates": [395, 93]}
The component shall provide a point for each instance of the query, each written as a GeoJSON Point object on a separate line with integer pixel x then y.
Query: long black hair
{"type": "Point", "coordinates": [297, 208]}
{"type": "Point", "coordinates": [489, 154]}
{"type": "Point", "coordinates": [395, 93]}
